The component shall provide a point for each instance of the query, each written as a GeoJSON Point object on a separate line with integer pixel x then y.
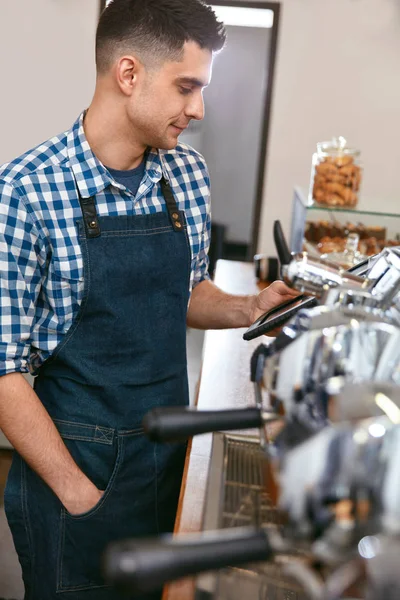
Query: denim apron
{"type": "Point", "coordinates": [124, 354]}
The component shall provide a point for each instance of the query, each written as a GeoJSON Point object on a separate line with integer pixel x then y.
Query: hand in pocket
{"type": "Point", "coordinates": [83, 501]}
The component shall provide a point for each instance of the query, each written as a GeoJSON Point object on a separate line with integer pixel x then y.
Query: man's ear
{"type": "Point", "coordinates": [127, 70]}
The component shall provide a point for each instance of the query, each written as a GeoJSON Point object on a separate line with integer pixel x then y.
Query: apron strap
{"type": "Point", "coordinates": [174, 214]}
{"type": "Point", "coordinates": [89, 212]}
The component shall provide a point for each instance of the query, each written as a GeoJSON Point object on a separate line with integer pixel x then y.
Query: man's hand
{"type": "Point", "coordinates": [211, 308]}
{"type": "Point", "coordinates": [277, 293]}
{"type": "Point", "coordinates": [82, 501]}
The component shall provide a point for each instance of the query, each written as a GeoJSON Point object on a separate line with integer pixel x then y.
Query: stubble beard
{"type": "Point", "coordinates": [164, 142]}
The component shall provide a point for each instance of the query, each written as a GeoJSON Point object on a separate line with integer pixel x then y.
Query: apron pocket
{"type": "Point", "coordinates": [66, 275]}
{"type": "Point", "coordinates": [84, 537]}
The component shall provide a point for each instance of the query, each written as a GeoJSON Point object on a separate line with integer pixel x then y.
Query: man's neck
{"type": "Point", "coordinates": [107, 137]}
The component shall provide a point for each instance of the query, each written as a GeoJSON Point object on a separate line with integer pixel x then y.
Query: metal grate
{"type": "Point", "coordinates": [247, 502]}
{"type": "Point", "coordinates": [237, 584]}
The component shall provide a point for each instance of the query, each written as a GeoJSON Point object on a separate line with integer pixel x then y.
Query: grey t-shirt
{"type": "Point", "coordinates": [131, 179]}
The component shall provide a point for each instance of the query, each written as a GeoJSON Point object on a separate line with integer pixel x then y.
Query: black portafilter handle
{"type": "Point", "coordinates": [142, 566]}
{"type": "Point", "coordinates": [178, 423]}
{"type": "Point", "coordinates": [257, 362]}
{"type": "Point", "coordinates": [282, 248]}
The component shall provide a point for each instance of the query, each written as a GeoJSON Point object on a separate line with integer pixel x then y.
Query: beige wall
{"type": "Point", "coordinates": [338, 73]}
{"type": "Point", "coordinates": [47, 69]}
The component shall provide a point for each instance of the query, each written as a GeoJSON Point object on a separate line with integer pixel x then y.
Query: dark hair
{"type": "Point", "coordinates": [155, 29]}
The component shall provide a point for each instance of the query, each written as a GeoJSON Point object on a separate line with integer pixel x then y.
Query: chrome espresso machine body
{"type": "Point", "coordinates": [321, 344]}
{"type": "Point", "coordinates": [353, 334]}
{"type": "Point", "coordinates": [328, 410]}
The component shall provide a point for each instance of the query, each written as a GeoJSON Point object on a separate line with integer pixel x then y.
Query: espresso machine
{"type": "Point", "coordinates": [309, 507]}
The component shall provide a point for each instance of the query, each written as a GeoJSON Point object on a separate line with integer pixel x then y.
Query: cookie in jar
{"type": "Point", "coordinates": [336, 175]}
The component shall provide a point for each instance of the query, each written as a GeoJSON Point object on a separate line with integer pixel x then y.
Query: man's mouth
{"type": "Point", "coordinates": [179, 128]}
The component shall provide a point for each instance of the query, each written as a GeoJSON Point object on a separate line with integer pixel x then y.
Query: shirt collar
{"type": "Point", "coordinates": [90, 174]}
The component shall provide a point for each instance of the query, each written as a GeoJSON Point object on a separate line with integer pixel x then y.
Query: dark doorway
{"type": "Point", "coordinates": [234, 134]}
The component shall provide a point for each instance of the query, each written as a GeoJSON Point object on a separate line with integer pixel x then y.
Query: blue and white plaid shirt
{"type": "Point", "coordinates": [41, 266]}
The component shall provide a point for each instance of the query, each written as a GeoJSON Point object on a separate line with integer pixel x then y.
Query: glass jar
{"type": "Point", "coordinates": [336, 175]}
{"type": "Point", "coordinates": [350, 256]}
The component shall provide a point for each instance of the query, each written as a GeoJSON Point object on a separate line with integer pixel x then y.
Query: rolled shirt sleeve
{"type": "Point", "coordinates": [22, 256]}
{"type": "Point", "coordinates": [202, 260]}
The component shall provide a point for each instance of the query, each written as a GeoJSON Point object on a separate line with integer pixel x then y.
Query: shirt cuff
{"type": "Point", "coordinates": [14, 358]}
{"type": "Point", "coordinates": [205, 277]}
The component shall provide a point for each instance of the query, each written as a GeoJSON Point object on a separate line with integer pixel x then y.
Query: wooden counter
{"type": "Point", "coordinates": [224, 383]}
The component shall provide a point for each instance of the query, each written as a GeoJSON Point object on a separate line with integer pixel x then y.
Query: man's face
{"type": "Point", "coordinates": [168, 98]}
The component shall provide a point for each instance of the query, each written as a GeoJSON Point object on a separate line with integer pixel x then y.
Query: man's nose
{"type": "Point", "coordinates": [195, 109]}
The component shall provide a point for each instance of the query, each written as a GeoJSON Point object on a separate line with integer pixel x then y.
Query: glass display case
{"type": "Point", "coordinates": [325, 229]}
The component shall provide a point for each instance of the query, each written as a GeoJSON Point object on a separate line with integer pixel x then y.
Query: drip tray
{"type": "Point", "coordinates": [237, 496]}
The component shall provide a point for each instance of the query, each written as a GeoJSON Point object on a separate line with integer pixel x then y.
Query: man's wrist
{"type": "Point", "coordinates": [250, 309]}
{"type": "Point", "coordinates": [75, 486]}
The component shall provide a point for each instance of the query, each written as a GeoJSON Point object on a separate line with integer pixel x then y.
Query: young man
{"type": "Point", "coordinates": [104, 233]}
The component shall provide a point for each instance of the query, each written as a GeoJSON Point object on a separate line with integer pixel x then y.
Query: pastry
{"type": "Point", "coordinates": [337, 181]}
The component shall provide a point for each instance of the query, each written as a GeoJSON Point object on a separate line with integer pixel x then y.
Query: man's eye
{"type": "Point", "coordinates": [185, 91]}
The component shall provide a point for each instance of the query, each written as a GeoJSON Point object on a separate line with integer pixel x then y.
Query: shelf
{"type": "Point", "coordinates": [364, 206]}
{"type": "Point", "coordinates": [366, 214]}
